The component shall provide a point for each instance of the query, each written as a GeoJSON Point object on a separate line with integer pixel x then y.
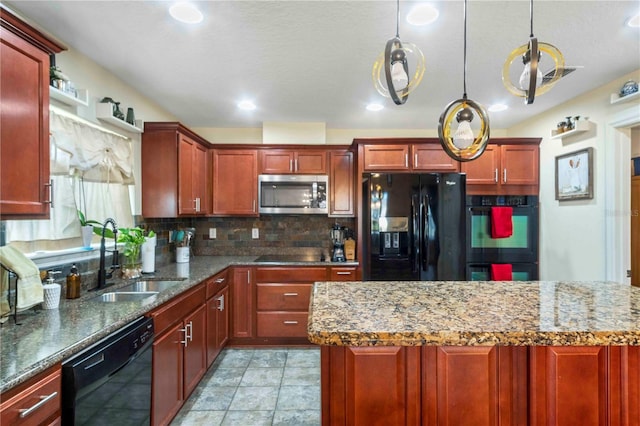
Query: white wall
{"type": "Point", "coordinates": [572, 233]}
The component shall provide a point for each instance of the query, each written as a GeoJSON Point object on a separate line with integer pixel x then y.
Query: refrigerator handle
{"type": "Point", "coordinates": [424, 238]}
{"type": "Point", "coordinates": [415, 242]}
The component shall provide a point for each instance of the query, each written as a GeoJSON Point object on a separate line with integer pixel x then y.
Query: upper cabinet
{"type": "Point", "coordinates": [25, 189]}
{"type": "Point", "coordinates": [286, 161]}
{"type": "Point", "coordinates": [175, 168]}
{"type": "Point", "coordinates": [426, 155]}
{"type": "Point", "coordinates": [507, 167]}
{"type": "Point", "coordinates": [341, 184]}
{"type": "Point", "coordinates": [235, 182]}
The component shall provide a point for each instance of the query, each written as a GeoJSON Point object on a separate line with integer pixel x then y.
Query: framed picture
{"type": "Point", "coordinates": [574, 175]}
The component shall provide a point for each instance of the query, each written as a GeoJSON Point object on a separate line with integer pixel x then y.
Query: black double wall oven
{"type": "Point", "coordinates": [520, 250]}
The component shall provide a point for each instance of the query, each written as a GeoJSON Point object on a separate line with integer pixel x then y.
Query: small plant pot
{"type": "Point", "coordinates": [87, 235]}
{"type": "Point", "coordinates": [131, 270]}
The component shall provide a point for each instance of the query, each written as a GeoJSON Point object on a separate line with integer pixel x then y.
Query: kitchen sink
{"type": "Point", "coordinates": [124, 296]}
{"type": "Point", "coordinates": [148, 286]}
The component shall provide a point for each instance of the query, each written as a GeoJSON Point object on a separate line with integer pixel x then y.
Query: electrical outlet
{"type": "Point", "coordinates": [212, 233]}
{"type": "Point", "coordinates": [255, 233]}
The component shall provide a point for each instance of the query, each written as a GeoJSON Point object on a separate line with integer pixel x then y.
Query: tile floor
{"type": "Point", "coordinates": [252, 387]}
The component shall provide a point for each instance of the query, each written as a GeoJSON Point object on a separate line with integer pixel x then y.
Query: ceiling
{"type": "Point", "coordinates": [311, 61]}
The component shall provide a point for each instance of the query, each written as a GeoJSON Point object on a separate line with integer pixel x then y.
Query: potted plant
{"type": "Point", "coordinates": [133, 238]}
{"type": "Point", "coordinates": [87, 228]}
{"type": "Point", "coordinates": [57, 77]}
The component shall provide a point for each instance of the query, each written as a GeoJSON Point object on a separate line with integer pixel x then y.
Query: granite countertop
{"type": "Point", "coordinates": [474, 313]}
{"type": "Point", "coordinates": [48, 337]}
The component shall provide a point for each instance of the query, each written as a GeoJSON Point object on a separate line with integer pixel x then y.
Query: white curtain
{"type": "Point", "coordinates": [91, 170]}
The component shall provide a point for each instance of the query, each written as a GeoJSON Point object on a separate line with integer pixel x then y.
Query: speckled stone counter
{"type": "Point", "coordinates": [474, 313]}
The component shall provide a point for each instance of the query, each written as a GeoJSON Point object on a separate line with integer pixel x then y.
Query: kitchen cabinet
{"type": "Point", "coordinates": [282, 300]}
{"type": "Point", "coordinates": [242, 302]}
{"type": "Point", "coordinates": [286, 161]}
{"type": "Point", "coordinates": [179, 352]}
{"type": "Point", "coordinates": [35, 402]}
{"type": "Point", "coordinates": [341, 184]}
{"type": "Point", "coordinates": [217, 315]}
{"type": "Point", "coordinates": [344, 273]}
{"type": "Point", "coordinates": [405, 155]}
{"type": "Point", "coordinates": [25, 188]}
{"type": "Point", "coordinates": [635, 231]}
{"type": "Point", "coordinates": [175, 171]}
{"type": "Point", "coordinates": [508, 167]}
{"type": "Point", "coordinates": [235, 182]}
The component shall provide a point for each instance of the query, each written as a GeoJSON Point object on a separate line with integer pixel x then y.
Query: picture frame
{"type": "Point", "coordinates": [574, 175]}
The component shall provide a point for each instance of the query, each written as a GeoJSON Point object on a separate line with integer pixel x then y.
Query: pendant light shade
{"type": "Point", "coordinates": [463, 128]}
{"type": "Point", "coordinates": [531, 81]}
{"type": "Point", "coordinates": [390, 73]}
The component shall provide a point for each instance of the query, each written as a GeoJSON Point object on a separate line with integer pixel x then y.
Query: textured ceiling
{"type": "Point", "coordinates": [310, 61]}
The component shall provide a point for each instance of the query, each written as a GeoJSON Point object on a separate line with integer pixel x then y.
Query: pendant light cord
{"type": "Point", "coordinates": [397, 18]}
{"type": "Point", "coordinates": [531, 17]}
{"type": "Point", "coordinates": [464, 82]}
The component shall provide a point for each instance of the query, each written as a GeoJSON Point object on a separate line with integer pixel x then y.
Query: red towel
{"type": "Point", "coordinates": [501, 223]}
{"type": "Point", "coordinates": [501, 272]}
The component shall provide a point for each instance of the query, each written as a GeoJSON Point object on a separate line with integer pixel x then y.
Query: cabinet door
{"type": "Point", "coordinates": [276, 161]}
{"type": "Point", "coordinates": [235, 182]}
{"type": "Point", "coordinates": [310, 162]}
{"type": "Point", "coordinates": [195, 350]}
{"type": "Point", "coordinates": [199, 174]}
{"type": "Point", "coordinates": [24, 129]}
{"type": "Point", "coordinates": [242, 313]}
{"type": "Point", "coordinates": [386, 157]}
{"type": "Point", "coordinates": [186, 201]}
{"type": "Point", "coordinates": [39, 397]}
{"type": "Point", "coordinates": [483, 170]}
{"type": "Point", "coordinates": [167, 391]}
{"type": "Point", "coordinates": [344, 273]}
{"type": "Point", "coordinates": [432, 158]}
{"type": "Point", "coordinates": [519, 164]}
{"type": "Point", "coordinates": [222, 323]}
{"type": "Point", "coordinates": [341, 184]}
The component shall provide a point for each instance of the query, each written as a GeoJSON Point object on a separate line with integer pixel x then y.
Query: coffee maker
{"type": "Point", "coordinates": [337, 238]}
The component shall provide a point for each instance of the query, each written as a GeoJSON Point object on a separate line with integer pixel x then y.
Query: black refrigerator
{"type": "Point", "coordinates": [414, 226]}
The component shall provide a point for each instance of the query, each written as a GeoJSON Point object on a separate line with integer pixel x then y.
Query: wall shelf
{"type": "Point", "coordinates": [69, 99]}
{"type": "Point", "coordinates": [617, 99]}
{"type": "Point", "coordinates": [104, 112]}
{"type": "Point", "coordinates": [581, 127]}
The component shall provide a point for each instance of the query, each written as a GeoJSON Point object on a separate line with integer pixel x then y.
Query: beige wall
{"type": "Point", "coordinates": [572, 233]}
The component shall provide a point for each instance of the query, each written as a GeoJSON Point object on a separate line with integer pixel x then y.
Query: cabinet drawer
{"type": "Point", "coordinates": [343, 274]}
{"type": "Point", "coordinates": [291, 274]}
{"type": "Point", "coordinates": [178, 308]}
{"type": "Point", "coordinates": [283, 297]}
{"type": "Point", "coordinates": [282, 324]}
{"type": "Point", "coordinates": [216, 283]}
{"type": "Point", "coordinates": [36, 403]}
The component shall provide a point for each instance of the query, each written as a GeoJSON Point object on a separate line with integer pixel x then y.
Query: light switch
{"type": "Point", "coordinates": [255, 233]}
{"type": "Point", "coordinates": [212, 233]}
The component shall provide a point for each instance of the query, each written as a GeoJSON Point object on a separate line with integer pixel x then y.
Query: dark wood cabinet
{"type": "Point", "coordinates": [509, 167]}
{"type": "Point", "coordinates": [385, 157]}
{"type": "Point", "coordinates": [341, 184]}
{"type": "Point", "coordinates": [217, 315]}
{"type": "Point", "coordinates": [25, 188]}
{"type": "Point", "coordinates": [344, 273]}
{"type": "Point", "coordinates": [242, 302]}
{"type": "Point", "coordinates": [285, 161]}
{"type": "Point", "coordinates": [430, 157]}
{"type": "Point", "coordinates": [179, 352]}
{"type": "Point", "coordinates": [175, 169]}
{"type": "Point", "coordinates": [235, 182]}
{"type": "Point", "coordinates": [403, 155]}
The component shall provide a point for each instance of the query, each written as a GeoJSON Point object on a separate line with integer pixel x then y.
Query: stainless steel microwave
{"type": "Point", "coordinates": [293, 194]}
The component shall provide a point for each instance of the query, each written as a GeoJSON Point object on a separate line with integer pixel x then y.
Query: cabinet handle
{"type": "Point", "coordinates": [24, 412]}
{"type": "Point", "coordinates": [219, 280]}
{"type": "Point", "coordinates": [343, 273]}
{"type": "Point", "coordinates": [190, 327]}
{"type": "Point", "coordinates": [185, 342]}
{"type": "Point", "coordinates": [406, 160]}
{"type": "Point", "coordinates": [415, 160]}
{"type": "Point", "coordinates": [295, 165]}
{"type": "Point", "coordinates": [290, 322]}
{"type": "Point", "coordinates": [290, 165]}
{"type": "Point", "coordinates": [291, 294]}
{"type": "Point", "coordinates": [253, 206]}
{"type": "Point", "coordinates": [50, 185]}
{"type": "Point", "coordinates": [197, 202]}
{"type": "Point", "coordinates": [248, 276]}
{"type": "Point", "coordinates": [504, 175]}
{"type": "Point", "coordinates": [221, 304]}
{"type": "Point", "coordinates": [495, 176]}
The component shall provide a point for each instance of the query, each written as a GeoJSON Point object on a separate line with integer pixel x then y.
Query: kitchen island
{"type": "Point", "coordinates": [463, 353]}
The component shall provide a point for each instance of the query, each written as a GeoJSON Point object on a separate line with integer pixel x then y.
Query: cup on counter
{"type": "Point", "coordinates": [182, 254]}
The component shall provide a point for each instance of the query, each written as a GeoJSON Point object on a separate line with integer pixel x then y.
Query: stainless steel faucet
{"type": "Point", "coordinates": [103, 275]}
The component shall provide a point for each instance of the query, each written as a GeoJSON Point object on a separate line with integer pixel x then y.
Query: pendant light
{"type": "Point", "coordinates": [463, 144]}
{"type": "Point", "coordinates": [393, 63]}
{"type": "Point", "coordinates": [531, 81]}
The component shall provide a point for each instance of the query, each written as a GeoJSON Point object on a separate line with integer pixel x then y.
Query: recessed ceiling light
{"type": "Point", "coordinates": [186, 12]}
{"type": "Point", "coordinates": [498, 107]}
{"type": "Point", "coordinates": [374, 107]}
{"type": "Point", "coordinates": [634, 21]}
{"type": "Point", "coordinates": [422, 14]}
{"type": "Point", "coordinates": [247, 105]}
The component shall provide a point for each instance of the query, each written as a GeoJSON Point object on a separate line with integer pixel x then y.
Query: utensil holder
{"type": "Point", "coordinates": [182, 254]}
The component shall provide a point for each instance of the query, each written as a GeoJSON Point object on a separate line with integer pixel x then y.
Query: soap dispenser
{"type": "Point", "coordinates": [51, 292]}
{"type": "Point", "coordinates": [73, 283]}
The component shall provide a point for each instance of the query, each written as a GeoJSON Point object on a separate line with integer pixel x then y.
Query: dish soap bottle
{"type": "Point", "coordinates": [73, 283]}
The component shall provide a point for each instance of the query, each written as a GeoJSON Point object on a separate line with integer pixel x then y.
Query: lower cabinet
{"type": "Point", "coordinates": [477, 385]}
{"type": "Point", "coordinates": [179, 353]}
{"type": "Point", "coordinates": [217, 315]}
{"type": "Point", "coordinates": [35, 402]}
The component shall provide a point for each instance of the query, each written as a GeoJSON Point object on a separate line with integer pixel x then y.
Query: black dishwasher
{"type": "Point", "coordinates": [109, 383]}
